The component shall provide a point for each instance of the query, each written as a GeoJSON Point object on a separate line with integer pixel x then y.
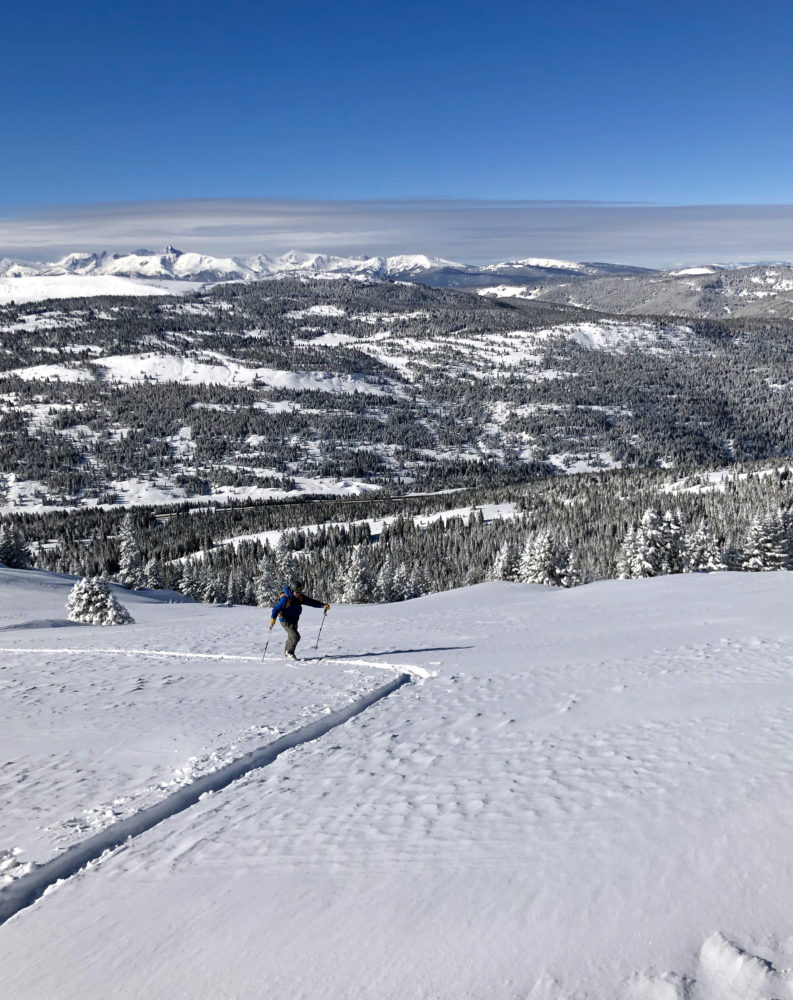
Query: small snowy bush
{"type": "Point", "coordinates": [92, 602]}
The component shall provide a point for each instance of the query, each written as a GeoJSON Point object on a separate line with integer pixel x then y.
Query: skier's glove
{"type": "Point", "coordinates": [272, 622]}
{"type": "Point", "coordinates": [326, 608]}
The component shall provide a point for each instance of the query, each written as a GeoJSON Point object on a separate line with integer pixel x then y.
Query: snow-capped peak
{"type": "Point", "coordinates": [546, 263]}
{"type": "Point", "coordinates": [411, 262]}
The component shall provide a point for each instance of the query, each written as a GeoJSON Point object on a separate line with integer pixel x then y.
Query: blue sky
{"type": "Point", "coordinates": [674, 104]}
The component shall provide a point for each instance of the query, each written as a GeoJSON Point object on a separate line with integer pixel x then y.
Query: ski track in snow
{"type": "Point", "coordinates": [408, 668]}
{"type": "Point", "coordinates": [25, 890]}
{"type": "Point", "coordinates": [91, 734]}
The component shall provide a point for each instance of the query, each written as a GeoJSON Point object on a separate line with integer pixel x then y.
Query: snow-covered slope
{"type": "Point", "coordinates": [39, 287]}
{"type": "Point", "coordinates": [711, 291]}
{"type": "Point", "coordinates": [546, 263]}
{"type": "Point", "coordinates": [588, 798]}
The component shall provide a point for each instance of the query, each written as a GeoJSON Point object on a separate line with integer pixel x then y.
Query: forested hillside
{"type": "Point", "coordinates": [254, 388]}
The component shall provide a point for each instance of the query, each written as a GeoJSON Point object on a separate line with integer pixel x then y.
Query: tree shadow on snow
{"type": "Point", "coordinates": [41, 623]}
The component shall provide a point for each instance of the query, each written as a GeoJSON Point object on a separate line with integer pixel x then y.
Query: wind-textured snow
{"type": "Point", "coordinates": [589, 798]}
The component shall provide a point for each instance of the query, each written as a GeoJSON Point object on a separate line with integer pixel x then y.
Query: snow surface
{"type": "Point", "coordinates": [215, 370]}
{"type": "Point", "coordinates": [510, 291]}
{"type": "Point", "coordinates": [549, 263]}
{"type": "Point", "coordinates": [589, 800]}
{"type": "Point", "coordinates": [36, 288]}
{"type": "Point", "coordinates": [31, 494]}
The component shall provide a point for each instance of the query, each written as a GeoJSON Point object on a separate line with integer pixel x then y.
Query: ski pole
{"type": "Point", "coordinates": [316, 644]}
{"type": "Point", "coordinates": [268, 641]}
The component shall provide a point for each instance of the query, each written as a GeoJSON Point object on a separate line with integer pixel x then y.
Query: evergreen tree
{"type": "Point", "coordinates": [190, 583]}
{"type": "Point", "coordinates": [152, 575]}
{"type": "Point", "coordinates": [213, 589]}
{"type": "Point", "coordinates": [401, 588]}
{"type": "Point", "coordinates": [358, 585]}
{"type": "Point", "coordinates": [628, 555]}
{"type": "Point", "coordinates": [766, 546]}
{"type": "Point", "coordinates": [92, 602]}
{"type": "Point", "coordinates": [547, 561]}
{"type": "Point", "coordinates": [386, 590]}
{"type": "Point", "coordinates": [702, 552]}
{"type": "Point", "coordinates": [673, 543]}
{"type": "Point", "coordinates": [505, 564]}
{"type": "Point", "coordinates": [417, 582]}
{"type": "Point", "coordinates": [235, 589]}
{"type": "Point", "coordinates": [13, 550]}
{"type": "Point", "coordinates": [646, 554]}
{"type": "Point", "coordinates": [268, 583]}
{"type": "Point", "coordinates": [130, 573]}
{"type": "Point", "coordinates": [569, 574]}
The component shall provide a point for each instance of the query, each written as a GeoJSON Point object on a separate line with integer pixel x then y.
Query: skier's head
{"type": "Point", "coordinates": [297, 587]}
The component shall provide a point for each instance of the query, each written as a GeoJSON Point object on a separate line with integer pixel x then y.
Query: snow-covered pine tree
{"type": "Point", "coordinates": [673, 542]}
{"type": "Point", "coordinates": [786, 514]}
{"type": "Point", "coordinates": [285, 559]}
{"type": "Point", "coordinates": [401, 588]}
{"type": "Point", "coordinates": [385, 580]}
{"type": "Point", "coordinates": [650, 554]}
{"type": "Point", "coordinates": [14, 552]}
{"type": "Point", "coordinates": [92, 602]}
{"type": "Point", "coordinates": [702, 552]}
{"type": "Point", "coordinates": [569, 573]}
{"type": "Point", "coordinates": [213, 589]}
{"type": "Point", "coordinates": [525, 567]}
{"type": "Point", "coordinates": [130, 560]}
{"type": "Point", "coordinates": [190, 583]}
{"type": "Point", "coordinates": [358, 585]}
{"type": "Point", "coordinates": [249, 598]}
{"type": "Point", "coordinates": [547, 561]}
{"type": "Point", "coordinates": [235, 589]}
{"type": "Point", "coordinates": [505, 564]}
{"type": "Point", "coordinates": [417, 582]}
{"type": "Point", "coordinates": [766, 545]}
{"type": "Point", "coordinates": [628, 555]}
{"type": "Point", "coordinates": [152, 575]}
{"type": "Point", "coordinates": [268, 583]}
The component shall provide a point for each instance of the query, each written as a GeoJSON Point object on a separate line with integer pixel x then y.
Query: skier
{"type": "Point", "coordinates": [287, 610]}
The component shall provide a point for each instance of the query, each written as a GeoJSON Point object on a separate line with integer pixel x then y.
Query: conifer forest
{"type": "Point", "coordinates": [383, 440]}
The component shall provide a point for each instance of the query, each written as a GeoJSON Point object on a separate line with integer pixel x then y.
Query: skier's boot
{"type": "Point", "coordinates": [289, 656]}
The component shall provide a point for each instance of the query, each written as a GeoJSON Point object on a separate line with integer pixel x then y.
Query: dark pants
{"type": "Point", "coordinates": [292, 635]}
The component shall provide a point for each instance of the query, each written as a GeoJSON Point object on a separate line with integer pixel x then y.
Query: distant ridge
{"type": "Point", "coordinates": [707, 289]}
{"type": "Point", "coordinates": [171, 263]}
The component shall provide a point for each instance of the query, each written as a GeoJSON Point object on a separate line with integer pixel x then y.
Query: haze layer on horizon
{"type": "Point", "coordinates": [468, 231]}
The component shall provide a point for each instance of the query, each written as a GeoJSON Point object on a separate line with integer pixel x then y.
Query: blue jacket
{"type": "Point", "coordinates": [290, 605]}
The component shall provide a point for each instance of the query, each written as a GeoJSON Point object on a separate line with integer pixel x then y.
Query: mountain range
{"type": "Point", "coordinates": [710, 290]}
{"type": "Point", "coordinates": [171, 263]}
